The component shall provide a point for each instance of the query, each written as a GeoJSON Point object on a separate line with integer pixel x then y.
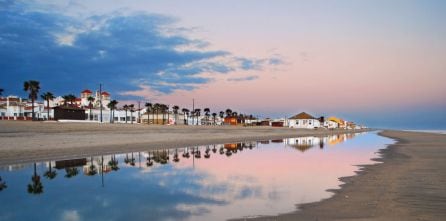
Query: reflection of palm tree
{"type": "Point", "coordinates": [175, 156]}
{"type": "Point", "coordinates": [113, 163]}
{"type": "Point", "coordinates": [35, 187]}
{"type": "Point", "coordinates": [222, 150]}
{"type": "Point", "coordinates": [186, 153]}
{"type": "Point", "coordinates": [132, 160]}
{"type": "Point", "coordinates": [207, 154]}
{"type": "Point", "coordinates": [197, 153]}
{"type": "Point", "coordinates": [50, 174]}
{"type": "Point", "coordinates": [149, 162]}
{"type": "Point", "coordinates": [2, 184]}
{"type": "Point", "coordinates": [71, 172]}
{"type": "Point", "coordinates": [214, 149]}
{"type": "Point", "coordinates": [92, 168]}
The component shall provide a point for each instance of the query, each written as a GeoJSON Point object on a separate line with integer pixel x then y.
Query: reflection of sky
{"type": "Point", "coordinates": [269, 179]}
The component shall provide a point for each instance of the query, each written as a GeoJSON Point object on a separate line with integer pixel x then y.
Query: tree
{"type": "Point", "coordinates": [32, 87]}
{"type": "Point", "coordinates": [131, 106]}
{"type": "Point", "coordinates": [175, 112]}
{"type": "Point", "coordinates": [228, 112]}
{"type": "Point", "coordinates": [214, 115]}
{"type": "Point", "coordinates": [69, 98]}
{"type": "Point", "coordinates": [156, 109]}
{"type": "Point", "coordinates": [126, 107]}
{"type": "Point", "coordinates": [1, 91]}
{"type": "Point", "coordinates": [90, 100]}
{"type": "Point", "coordinates": [112, 107]}
{"type": "Point", "coordinates": [206, 113]}
{"type": "Point", "coordinates": [221, 114]}
{"type": "Point", "coordinates": [35, 187]}
{"type": "Point", "coordinates": [48, 96]}
{"type": "Point", "coordinates": [197, 113]}
{"type": "Point", "coordinates": [148, 110]}
{"type": "Point", "coordinates": [185, 114]}
{"type": "Point", "coordinates": [50, 174]}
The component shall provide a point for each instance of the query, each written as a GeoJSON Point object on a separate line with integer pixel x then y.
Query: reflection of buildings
{"type": "Point", "coordinates": [61, 164]}
{"type": "Point", "coordinates": [97, 164]}
{"type": "Point", "coordinates": [305, 143]}
{"type": "Point", "coordinates": [14, 167]}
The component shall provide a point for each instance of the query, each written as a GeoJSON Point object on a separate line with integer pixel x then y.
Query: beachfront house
{"type": "Point", "coordinates": [303, 121]}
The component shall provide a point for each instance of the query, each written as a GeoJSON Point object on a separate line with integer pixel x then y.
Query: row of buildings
{"type": "Point", "coordinates": [88, 108]}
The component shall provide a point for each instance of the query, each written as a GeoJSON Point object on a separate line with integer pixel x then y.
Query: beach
{"type": "Point", "coordinates": [26, 142]}
{"type": "Point", "coordinates": [407, 184]}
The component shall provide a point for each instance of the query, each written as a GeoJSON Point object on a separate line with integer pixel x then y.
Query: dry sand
{"type": "Point", "coordinates": [410, 184]}
{"type": "Point", "coordinates": [22, 142]}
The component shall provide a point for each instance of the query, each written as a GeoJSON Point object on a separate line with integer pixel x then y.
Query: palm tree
{"type": "Point", "coordinates": [1, 91]}
{"type": "Point", "coordinates": [131, 106]}
{"type": "Point", "coordinates": [206, 113]}
{"type": "Point", "coordinates": [228, 112]}
{"type": "Point", "coordinates": [90, 100]}
{"type": "Point", "coordinates": [185, 113]}
{"type": "Point", "coordinates": [32, 87]}
{"type": "Point", "coordinates": [35, 187]}
{"type": "Point", "coordinates": [112, 107]}
{"type": "Point", "coordinates": [175, 109]}
{"type": "Point", "coordinates": [148, 109]}
{"type": "Point", "coordinates": [50, 174]}
{"type": "Point", "coordinates": [48, 96]}
{"type": "Point", "coordinates": [214, 115]}
{"type": "Point", "coordinates": [221, 114]}
{"type": "Point", "coordinates": [197, 113]}
{"type": "Point", "coordinates": [69, 98]}
{"type": "Point", "coordinates": [126, 107]}
{"type": "Point", "coordinates": [156, 108]}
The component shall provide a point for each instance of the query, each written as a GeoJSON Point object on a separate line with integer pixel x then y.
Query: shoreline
{"type": "Point", "coordinates": [27, 142]}
{"type": "Point", "coordinates": [406, 183]}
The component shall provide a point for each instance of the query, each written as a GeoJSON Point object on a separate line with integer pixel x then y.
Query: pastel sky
{"type": "Point", "coordinates": [380, 63]}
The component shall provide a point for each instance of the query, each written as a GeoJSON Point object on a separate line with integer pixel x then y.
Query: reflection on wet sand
{"type": "Point", "coordinates": [208, 180]}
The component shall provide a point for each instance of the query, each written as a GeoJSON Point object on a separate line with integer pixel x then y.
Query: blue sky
{"type": "Point", "coordinates": [380, 63]}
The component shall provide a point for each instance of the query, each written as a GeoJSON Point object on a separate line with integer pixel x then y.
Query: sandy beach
{"type": "Point", "coordinates": [22, 142]}
{"type": "Point", "coordinates": [409, 184]}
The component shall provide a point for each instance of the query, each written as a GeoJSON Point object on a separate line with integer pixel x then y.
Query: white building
{"type": "Point", "coordinates": [303, 121]}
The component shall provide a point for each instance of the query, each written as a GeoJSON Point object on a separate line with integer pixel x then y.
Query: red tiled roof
{"type": "Point", "coordinates": [105, 93]}
{"type": "Point", "coordinates": [86, 91]}
{"type": "Point", "coordinates": [78, 99]}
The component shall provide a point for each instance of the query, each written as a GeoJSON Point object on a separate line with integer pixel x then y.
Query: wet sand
{"type": "Point", "coordinates": [24, 142]}
{"type": "Point", "coordinates": [409, 184]}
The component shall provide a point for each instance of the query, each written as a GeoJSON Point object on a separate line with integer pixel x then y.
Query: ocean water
{"type": "Point", "coordinates": [219, 182]}
{"type": "Point", "coordinates": [430, 131]}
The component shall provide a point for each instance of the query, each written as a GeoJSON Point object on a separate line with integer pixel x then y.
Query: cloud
{"type": "Point", "coordinates": [248, 78]}
{"type": "Point", "coordinates": [120, 50]}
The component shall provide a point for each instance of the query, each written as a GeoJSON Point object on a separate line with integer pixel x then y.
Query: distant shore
{"type": "Point", "coordinates": [25, 142]}
{"type": "Point", "coordinates": [409, 184]}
